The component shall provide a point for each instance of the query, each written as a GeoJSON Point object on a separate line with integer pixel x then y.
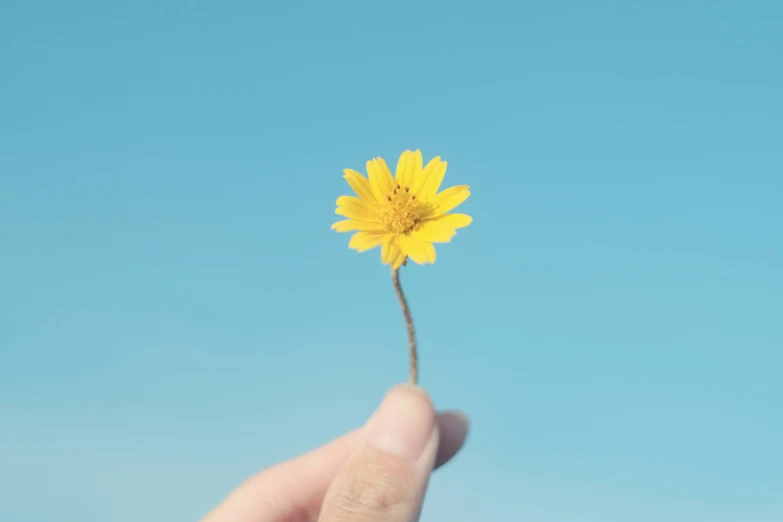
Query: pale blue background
{"type": "Point", "coordinates": [175, 312]}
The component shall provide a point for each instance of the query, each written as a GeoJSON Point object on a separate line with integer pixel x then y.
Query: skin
{"type": "Point", "coordinates": [378, 472]}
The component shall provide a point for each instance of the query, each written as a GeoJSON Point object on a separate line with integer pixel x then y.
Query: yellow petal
{"type": "Point", "coordinates": [354, 208]}
{"type": "Point", "coordinates": [422, 176]}
{"type": "Point", "coordinates": [344, 201]}
{"type": "Point", "coordinates": [363, 241]}
{"type": "Point", "coordinates": [442, 228]}
{"type": "Point", "coordinates": [454, 220]}
{"type": "Point", "coordinates": [420, 251]}
{"type": "Point", "coordinates": [348, 225]}
{"type": "Point", "coordinates": [433, 232]}
{"type": "Point", "coordinates": [429, 186]}
{"type": "Point", "coordinates": [389, 250]}
{"type": "Point", "coordinates": [400, 259]}
{"type": "Point", "coordinates": [380, 178]}
{"type": "Point", "coordinates": [380, 161]}
{"type": "Point", "coordinates": [408, 168]}
{"type": "Point", "coordinates": [418, 166]}
{"type": "Point", "coordinates": [402, 167]}
{"type": "Point", "coordinates": [449, 199]}
{"type": "Point", "coordinates": [359, 184]}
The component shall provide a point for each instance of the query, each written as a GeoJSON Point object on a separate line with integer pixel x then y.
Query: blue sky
{"type": "Point", "coordinates": [175, 313]}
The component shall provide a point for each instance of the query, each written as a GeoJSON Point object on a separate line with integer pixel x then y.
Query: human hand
{"type": "Point", "coordinates": [376, 473]}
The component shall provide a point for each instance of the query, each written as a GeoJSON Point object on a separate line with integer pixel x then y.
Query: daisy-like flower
{"type": "Point", "coordinates": [404, 214]}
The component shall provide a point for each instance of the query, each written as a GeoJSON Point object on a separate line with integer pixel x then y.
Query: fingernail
{"type": "Point", "coordinates": [403, 423]}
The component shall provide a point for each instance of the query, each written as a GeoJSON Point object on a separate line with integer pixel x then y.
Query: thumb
{"type": "Point", "coordinates": [385, 479]}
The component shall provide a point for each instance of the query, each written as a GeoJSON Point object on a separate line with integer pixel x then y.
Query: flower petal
{"type": "Point", "coordinates": [420, 251]}
{"type": "Point", "coordinates": [408, 168]}
{"type": "Point", "coordinates": [433, 177]}
{"type": "Point", "coordinates": [380, 178]}
{"type": "Point", "coordinates": [344, 201]}
{"type": "Point", "coordinates": [422, 176]}
{"type": "Point", "coordinates": [402, 167]}
{"type": "Point", "coordinates": [382, 163]}
{"type": "Point", "coordinates": [442, 228]}
{"type": "Point", "coordinates": [354, 208]}
{"type": "Point", "coordinates": [399, 260]}
{"type": "Point", "coordinates": [449, 199]}
{"type": "Point", "coordinates": [348, 225]}
{"type": "Point", "coordinates": [390, 250]}
{"type": "Point", "coordinates": [359, 184]}
{"type": "Point", "coordinates": [433, 232]}
{"type": "Point", "coordinates": [418, 166]}
{"type": "Point", "coordinates": [363, 241]}
{"type": "Point", "coordinates": [454, 220]}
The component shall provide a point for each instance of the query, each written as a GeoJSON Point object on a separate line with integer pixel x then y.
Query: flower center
{"type": "Point", "coordinates": [400, 211]}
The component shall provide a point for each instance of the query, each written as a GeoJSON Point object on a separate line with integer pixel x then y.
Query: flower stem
{"type": "Point", "coordinates": [406, 312]}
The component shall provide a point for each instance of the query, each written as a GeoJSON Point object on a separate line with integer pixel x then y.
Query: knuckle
{"type": "Point", "coordinates": [372, 493]}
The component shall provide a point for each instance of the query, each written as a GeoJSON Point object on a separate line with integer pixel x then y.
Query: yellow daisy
{"type": "Point", "coordinates": [403, 214]}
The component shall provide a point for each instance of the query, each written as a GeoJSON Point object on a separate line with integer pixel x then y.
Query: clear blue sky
{"type": "Point", "coordinates": [175, 313]}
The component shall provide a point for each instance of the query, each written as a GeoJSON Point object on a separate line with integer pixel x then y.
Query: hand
{"type": "Point", "coordinates": [376, 473]}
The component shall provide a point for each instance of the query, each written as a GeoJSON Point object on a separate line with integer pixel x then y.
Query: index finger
{"type": "Point", "coordinates": [294, 490]}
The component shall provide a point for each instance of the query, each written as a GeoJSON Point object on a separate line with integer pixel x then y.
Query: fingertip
{"type": "Point", "coordinates": [403, 423]}
{"type": "Point", "coordinates": [416, 396]}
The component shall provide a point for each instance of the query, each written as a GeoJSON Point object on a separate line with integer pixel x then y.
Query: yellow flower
{"type": "Point", "coordinates": [403, 214]}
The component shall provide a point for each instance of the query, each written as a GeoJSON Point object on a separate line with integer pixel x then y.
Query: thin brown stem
{"type": "Point", "coordinates": [406, 312]}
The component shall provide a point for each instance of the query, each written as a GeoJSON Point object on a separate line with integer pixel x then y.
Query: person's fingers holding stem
{"type": "Point", "coordinates": [386, 476]}
{"type": "Point", "coordinates": [295, 490]}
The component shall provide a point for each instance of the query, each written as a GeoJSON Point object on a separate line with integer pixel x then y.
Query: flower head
{"type": "Point", "coordinates": [404, 214]}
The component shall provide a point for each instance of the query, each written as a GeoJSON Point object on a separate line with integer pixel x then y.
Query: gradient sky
{"type": "Point", "coordinates": [175, 313]}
